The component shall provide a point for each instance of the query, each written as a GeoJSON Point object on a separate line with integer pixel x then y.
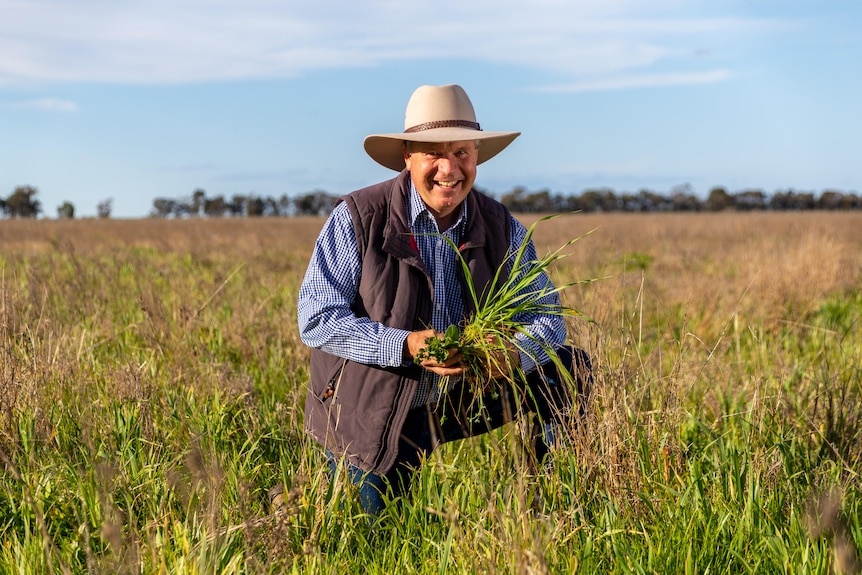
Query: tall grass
{"type": "Point", "coordinates": [151, 384]}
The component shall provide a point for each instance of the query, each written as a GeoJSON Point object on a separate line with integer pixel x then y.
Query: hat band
{"type": "Point", "coordinates": [443, 124]}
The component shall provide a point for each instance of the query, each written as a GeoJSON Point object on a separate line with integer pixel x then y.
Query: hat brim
{"type": "Point", "coordinates": [387, 149]}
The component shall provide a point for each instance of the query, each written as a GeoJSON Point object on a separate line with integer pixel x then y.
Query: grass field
{"type": "Point", "coordinates": [152, 382]}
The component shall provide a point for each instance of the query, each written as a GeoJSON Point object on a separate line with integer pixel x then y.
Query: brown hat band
{"type": "Point", "coordinates": [443, 124]}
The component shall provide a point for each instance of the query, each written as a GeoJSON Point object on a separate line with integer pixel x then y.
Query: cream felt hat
{"type": "Point", "coordinates": [436, 114]}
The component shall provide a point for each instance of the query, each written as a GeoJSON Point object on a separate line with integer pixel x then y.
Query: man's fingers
{"type": "Point", "coordinates": [416, 341]}
{"type": "Point", "coordinates": [440, 369]}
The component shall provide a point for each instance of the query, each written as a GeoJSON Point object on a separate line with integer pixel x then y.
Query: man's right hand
{"type": "Point", "coordinates": [415, 342]}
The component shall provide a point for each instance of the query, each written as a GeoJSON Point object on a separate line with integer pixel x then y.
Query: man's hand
{"type": "Point", "coordinates": [503, 361]}
{"type": "Point", "coordinates": [415, 342]}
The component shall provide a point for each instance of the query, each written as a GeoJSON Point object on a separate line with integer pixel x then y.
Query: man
{"type": "Point", "coordinates": [383, 279]}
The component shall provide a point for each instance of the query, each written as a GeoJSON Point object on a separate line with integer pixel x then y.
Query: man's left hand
{"type": "Point", "coordinates": [503, 361]}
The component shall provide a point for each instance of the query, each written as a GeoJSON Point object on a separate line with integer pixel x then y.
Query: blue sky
{"type": "Point", "coordinates": [133, 100]}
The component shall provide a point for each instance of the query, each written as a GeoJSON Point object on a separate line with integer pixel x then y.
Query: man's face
{"type": "Point", "coordinates": [443, 175]}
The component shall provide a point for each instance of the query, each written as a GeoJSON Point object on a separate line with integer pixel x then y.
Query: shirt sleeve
{"type": "Point", "coordinates": [324, 309]}
{"type": "Point", "coordinates": [546, 331]}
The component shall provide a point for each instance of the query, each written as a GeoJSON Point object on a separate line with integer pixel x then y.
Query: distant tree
{"type": "Point", "coordinates": [837, 200]}
{"type": "Point", "coordinates": [718, 200]}
{"type": "Point", "coordinates": [255, 206]}
{"type": "Point", "coordinates": [22, 204]}
{"type": "Point", "coordinates": [199, 198]}
{"type": "Point", "coordinates": [316, 203]}
{"type": "Point", "coordinates": [272, 207]}
{"type": "Point", "coordinates": [849, 201]}
{"type": "Point", "coordinates": [237, 205]}
{"type": "Point", "coordinates": [66, 211]}
{"type": "Point", "coordinates": [830, 200]}
{"type": "Point", "coordinates": [791, 200]}
{"type": "Point", "coordinates": [682, 199]}
{"type": "Point", "coordinates": [520, 201]}
{"type": "Point", "coordinates": [748, 200]}
{"type": "Point", "coordinates": [285, 205]}
{"type": "Point", "coordinates": [542, 202]}
{"type": "Point", "coordinates": [567, 204]}
{"type": "Point", "coordinates": [163, 208]}
{"type": "Point", "coordinates": [215, 207]}
{"type": "Point", "coordinates": [806, 201]}
{"type": "Point", "coordinates": [515, 200]}
{"type": "Point", "coordinates": [598, 200]}
{"type": "Point", "coordinates": [3, 207]}
{"type": "Point", "coordinates": [103, 208]}
{"type": "Point", "coordinates": [654, 202]}
{"type": "Point", "coordinates": [780, 201]}
{"type": "Point", "coordinates": [629, 202]}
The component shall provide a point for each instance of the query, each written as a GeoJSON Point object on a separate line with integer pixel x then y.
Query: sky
{"type": "Point", "coordinates": [131, 100]}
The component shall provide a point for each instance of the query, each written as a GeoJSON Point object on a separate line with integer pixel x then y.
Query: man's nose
{"type": "Point", "coordinates": [447, 164]}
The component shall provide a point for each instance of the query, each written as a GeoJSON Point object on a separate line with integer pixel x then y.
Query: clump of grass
{"type": "Point", "coordinates": [516, 291]}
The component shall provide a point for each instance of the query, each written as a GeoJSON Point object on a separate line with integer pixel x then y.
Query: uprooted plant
{"type": "Point", "coordinates": [516, 292]}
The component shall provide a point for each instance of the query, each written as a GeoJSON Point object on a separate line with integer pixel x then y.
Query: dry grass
{"type": "Point", "coordinates": [719, 263]}
{"type": "Point", "coordinates": [237, 236]}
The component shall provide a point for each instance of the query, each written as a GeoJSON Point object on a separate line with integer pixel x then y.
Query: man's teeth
{"type": "Point", "coordinates": [447, 184]}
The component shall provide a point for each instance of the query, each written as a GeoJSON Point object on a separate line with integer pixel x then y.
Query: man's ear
{"type": "Point", "coordinates": [406, 150]}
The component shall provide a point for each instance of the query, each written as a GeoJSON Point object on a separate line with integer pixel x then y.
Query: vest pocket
{"type": "Point", "coordinates": [330, 388]}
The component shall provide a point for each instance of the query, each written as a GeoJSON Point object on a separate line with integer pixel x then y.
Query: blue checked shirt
{"type": "Point", "coordinates": [327, 322]}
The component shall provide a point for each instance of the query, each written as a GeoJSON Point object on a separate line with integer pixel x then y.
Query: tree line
{"type": "Point", "coordinates": [315, 203]}
{"type": "Point", "coordinates": [521, 200]}
{"type": "Point", "coordinates": [680, 199]}
{"type": "Point", "coordinates": [22, 203]}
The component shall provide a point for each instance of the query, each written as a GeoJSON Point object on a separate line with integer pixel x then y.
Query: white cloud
{"type": "Point", "coordinates": [175, 41]}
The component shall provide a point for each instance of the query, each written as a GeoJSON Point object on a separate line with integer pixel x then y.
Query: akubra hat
{"type": "Point", "coordinates": [436, 114]}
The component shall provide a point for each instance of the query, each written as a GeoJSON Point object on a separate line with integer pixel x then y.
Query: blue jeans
{"type": "Point", "coordinates": [543, 395]}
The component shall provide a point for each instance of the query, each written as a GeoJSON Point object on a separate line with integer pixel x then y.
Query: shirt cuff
{"type": "Point", "coordinates": [392, 347]}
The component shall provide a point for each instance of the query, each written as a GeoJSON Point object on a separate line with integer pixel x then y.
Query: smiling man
{"type": "Point", "coordinates": [384, 278]}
